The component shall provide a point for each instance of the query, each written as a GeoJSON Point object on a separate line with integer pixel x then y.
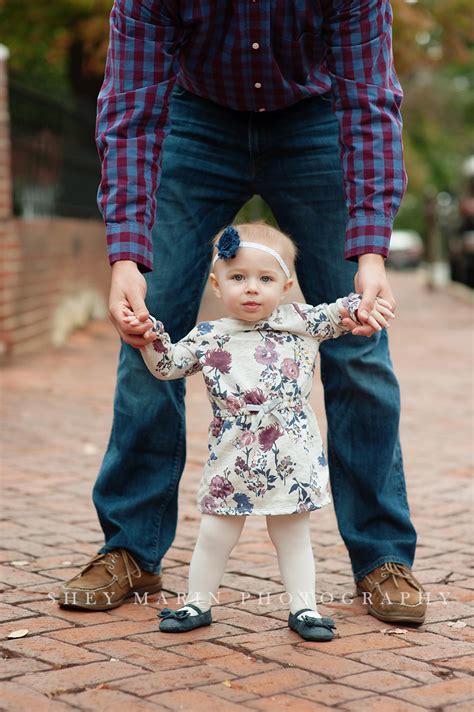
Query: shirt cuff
{"type": "Point", "coordinates": [130, 241]}
{"type": "Point", "coordinates": [368, 234]}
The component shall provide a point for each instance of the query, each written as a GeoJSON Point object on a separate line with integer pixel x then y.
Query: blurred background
{"type": "Point", "coordinates": [52, 68]}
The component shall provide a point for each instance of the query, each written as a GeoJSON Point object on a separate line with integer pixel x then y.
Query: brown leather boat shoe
{"type": "Point", "coordinates": [106, 581]}
{"type": "Point", "coordinates": [393, 594]}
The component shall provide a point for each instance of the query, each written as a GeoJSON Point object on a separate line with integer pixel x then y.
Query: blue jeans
{"type": "Point", "coordinates": [214, 160]}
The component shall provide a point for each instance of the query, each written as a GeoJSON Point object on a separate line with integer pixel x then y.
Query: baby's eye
{"type": "Point", "coordinates": [238, 277]}
{"type": "Point", "coordinates": [266, 279]}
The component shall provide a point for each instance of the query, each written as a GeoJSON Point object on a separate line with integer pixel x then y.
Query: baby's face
{"type": "Point", "coordinates": [251, 284]}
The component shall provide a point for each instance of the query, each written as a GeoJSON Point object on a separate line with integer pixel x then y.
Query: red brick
{"type": "Point", "coordinates": [12, 613]}
{"type": "Point", "coordinates": [14, 576]}
{"type": "Point", "coordinates": [463, 664]}
{"type": "Point", "coordinates": [287, 702]}
{"type": "Point", "coordinates": [216, 631]}
{"type": "Point", "coordinates": [77, 677]}
{"type": "Point", "coordinates": [201, 650]}
{"type": "Point", "coordinates": [194, 700]}
{"type": "Point", "coordinates": [16, 698]}
{"type": "Point", "coordinates": [460, 707]}
{"type": "Point", "coordinates": [51, 651]}
{"type": "Point", "coordinates": [382, 703]}
{"type": "Point", "coordinates": [161, 681]}
{"type": "Point", "coordinates": [330, 693]}
{"type": "Point", "coordinates": [109, 701]}
{"type": "Point", "coordinates": [242, 665]}
{"type": "Point", "coordinates": [378, 681]}
{"type": "Point", "coordinates": [387, 660]}
{"type": "Point", "coordinates": [12, 667]}
{"type": "Point", "coordinates": [139, 654]}
{"type": "Point", "coordinates": [244, 619]}
{"type": "Point", "coordinates": [436, 651]}
{"type": "Point", "coordinates": [309, 657]}
{"type": "Point", "coordinates": [35, 625]}
{"type": "Point", "coordinates": [372, 641]}
{"type": "Point", "coordinates": [439, 694]}
{"type": "Point", "coordinates": [78, 617]}
{"type": "Point", "coordinates": [104, 631]}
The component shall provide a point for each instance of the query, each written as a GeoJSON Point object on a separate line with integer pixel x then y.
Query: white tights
{"type": "Point", "coordinates": [218, 534]}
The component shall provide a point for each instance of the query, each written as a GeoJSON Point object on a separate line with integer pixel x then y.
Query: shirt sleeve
{"type": "Point", "coordinates": [325, 321]}
{"type": "Point", "coordinates": [367, 99]}
{"type": "Point", "coordinates": [167, 361]}
{"type": "Point", "coordinates": [132, 122]}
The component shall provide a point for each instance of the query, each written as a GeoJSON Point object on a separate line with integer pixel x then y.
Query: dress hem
{"type": "Point", "coordinates": [267, 513]}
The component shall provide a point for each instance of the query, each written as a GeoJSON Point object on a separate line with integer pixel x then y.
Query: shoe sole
{"type": "Point", "coordinates": [109, 606]}
{"type": "Point", "coordinates": [391, 617]}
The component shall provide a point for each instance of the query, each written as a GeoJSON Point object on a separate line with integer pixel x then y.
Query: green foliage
{"type": "Point", "coordinates": [41, 35]}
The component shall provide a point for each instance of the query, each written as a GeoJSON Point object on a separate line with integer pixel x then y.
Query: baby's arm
{"type": "Point", "coordinates": [329, 321]}
{"type": "Point", "coordinates": [167, 361]}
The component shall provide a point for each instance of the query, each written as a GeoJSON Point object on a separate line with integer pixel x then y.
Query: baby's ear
{"type": "Point", "coordinates": [288, 285]}
{"type": "Point", "coordinates": [215, 285]}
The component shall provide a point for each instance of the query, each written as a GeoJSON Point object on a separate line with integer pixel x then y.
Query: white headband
{"type": "Point", "coordinates": [264, 248]}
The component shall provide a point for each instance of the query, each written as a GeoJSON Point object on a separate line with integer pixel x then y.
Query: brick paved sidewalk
{"type": "Point", "coordinates": [58, 410]}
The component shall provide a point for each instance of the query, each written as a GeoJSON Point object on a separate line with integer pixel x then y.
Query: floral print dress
{"type": "Point", "coordinates": [266, 455]}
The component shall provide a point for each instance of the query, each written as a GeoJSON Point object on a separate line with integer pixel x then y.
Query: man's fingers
{"type": "Point", "coordinates": [138, 305]}
{"type": "Point", "coordinates": [136, 341]}
{"type": "Point", "coordinates": [357, 329]}
{"type": "Point", "coordinates": [384, 310]}
{"type": "Point", "coordinates": [368, 302]}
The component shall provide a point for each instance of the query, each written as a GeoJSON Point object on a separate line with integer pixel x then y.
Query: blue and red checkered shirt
{"type": "Point", "coordinates": [249, 56]}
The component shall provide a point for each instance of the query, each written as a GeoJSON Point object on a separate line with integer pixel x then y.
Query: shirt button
{"type": "Point", "coordinates": [257, 85]}
{"type": "Point", "coordinates": [262, 109]}
{"type": "Point", "coordinates": [255, 45]}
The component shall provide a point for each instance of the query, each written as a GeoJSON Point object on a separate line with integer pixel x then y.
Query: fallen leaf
{"type": "Point", "coordinates": [19, 563]}
{"type": "Point", "coordinates": [227, 683]}
{"type": "Point", "coordinates": [393, 631]}
{"type": "Point", "coordinates": [113, 660]}
{"type": "Point", "coordinates": [456, 624]}
{"type": "Point", "coordinates": [90, 449]}
{"type": "Point", "coordinates": [18, 633]}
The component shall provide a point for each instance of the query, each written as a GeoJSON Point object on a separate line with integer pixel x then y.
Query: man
{"type": "Point", "coordinates": [298, 102]}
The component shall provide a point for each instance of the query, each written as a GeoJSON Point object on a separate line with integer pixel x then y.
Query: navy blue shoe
{"type": "Point", "coordinates": [310, 627]}
{"type": "Point", "coordinates": [181, 620]}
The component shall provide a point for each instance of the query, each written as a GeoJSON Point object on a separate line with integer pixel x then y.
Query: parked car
{"type": "Point", "coordinates": [406, 250]}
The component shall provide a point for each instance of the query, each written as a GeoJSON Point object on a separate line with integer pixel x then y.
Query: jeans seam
{"type": "Point", "coordinates": [172, 487]}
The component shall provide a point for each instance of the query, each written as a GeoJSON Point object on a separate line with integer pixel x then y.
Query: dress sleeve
{"type": "Point", "coordinates": [167, 361]}
{"type": "Point", "coordinates": [325, 321]}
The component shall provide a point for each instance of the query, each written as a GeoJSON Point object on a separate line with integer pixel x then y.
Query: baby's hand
{"type": "Point", "coordinates": [138, 328]}
{"type": "Point", "coordinates": [378, 319]}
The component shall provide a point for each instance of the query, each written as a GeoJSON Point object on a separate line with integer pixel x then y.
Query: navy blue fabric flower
{"type": "Point", "coordinates": [229, 243]}
{"type": "Point", "coordinates": [204, 327]}
{"type": "Point", "coordinates": [244, 506]}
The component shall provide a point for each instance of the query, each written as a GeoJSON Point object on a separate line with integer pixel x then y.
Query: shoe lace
{"type": "Point", "coordinates": [390, 568]}
{"type": "Point", "coordinates": [109, 559]}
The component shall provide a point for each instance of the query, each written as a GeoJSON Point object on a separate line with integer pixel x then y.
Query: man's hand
{"type": "Point", "coordinates": [371, 281]}
{"type": "Point", "coordinates": [127, 292]}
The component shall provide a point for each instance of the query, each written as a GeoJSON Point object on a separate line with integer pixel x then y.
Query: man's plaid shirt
{"type": "Point", "coordinates": [249, 55]}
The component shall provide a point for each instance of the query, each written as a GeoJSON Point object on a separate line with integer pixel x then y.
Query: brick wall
{"type": "Point", "coordinates": [54, 273]}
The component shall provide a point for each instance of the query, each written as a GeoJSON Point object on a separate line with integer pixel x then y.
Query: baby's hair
{"type": "Point", "coordinates": [265, 234]}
